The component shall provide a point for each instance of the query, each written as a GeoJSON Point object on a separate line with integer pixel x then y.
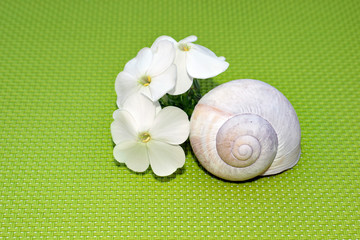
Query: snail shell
{"type": "Point", "coordinates": [243, 129]}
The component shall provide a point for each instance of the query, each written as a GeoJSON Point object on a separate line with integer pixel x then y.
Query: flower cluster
{"type": "Point", "coordinates": [144, 132]}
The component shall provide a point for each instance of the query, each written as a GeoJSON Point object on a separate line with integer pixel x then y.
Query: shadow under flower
{"type": "Point", "coordinates": [171, 177]}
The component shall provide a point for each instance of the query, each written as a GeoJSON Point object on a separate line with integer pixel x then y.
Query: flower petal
{"type": "Point", "coordinates": [143, 60]}
{"type": "Point", "coordinates": [171, 125]}
{"type": "Point", "coordinates": [207, 51]}
{"type": "Point", "coordinates": [123, 128]}
{"type": "Point", "coordinates": [163, 83]}
{"type": "Point", "coordinates": [164, 54]}
{"type": "Point", "coordinates": [116, 113]}
{"type": "Point", "coordinates": [157, 106]}
{"type": "Point", "coordinates": [142, 109]}
{"type": "Point", "coordinates": [165, 158]}
{"type": "Point", "coordinates": [161, 38]}
{"type": "Point", "coordinates": [201, 65]}
{"type": "Point", "coordinates": [204, 50]}
{"type": "Point", "coordinates": [146, 92]}
{"type": "Point", "coordinates": [118, 150]}
{"type": "Point", "coordinates": [125, 85]}
{"type": "Point", "coordinates": [131, 67]}
{"type": "Point", "coordinates": [183, 80]}
{"type": "Point", "coordinates": [133, 154]}
{"type": "Point", "coordinates": [189, 39]}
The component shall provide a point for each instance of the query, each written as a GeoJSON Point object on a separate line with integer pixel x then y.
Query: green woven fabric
{"type": "Point", "coordinates": [59, 61]}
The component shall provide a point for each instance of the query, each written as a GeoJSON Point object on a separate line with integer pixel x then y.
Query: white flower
{"type": "Point", "coordinates": [144, 135]}
{"type": "Point", "coordinates": [193, 61]}
{"type": "Point", "coordinates": [151, 73]}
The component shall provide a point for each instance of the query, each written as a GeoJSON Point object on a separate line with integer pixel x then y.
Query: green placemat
{"type": "Point", "coordinates": [58, 178]}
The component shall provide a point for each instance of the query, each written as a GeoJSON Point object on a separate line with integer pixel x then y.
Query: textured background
{"type": "Point", "coordinates": [59, 61]}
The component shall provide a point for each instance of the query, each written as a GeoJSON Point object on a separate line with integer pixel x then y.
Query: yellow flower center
{"type": "Point", "coordinates": [184, 47]}
{"type": "Point", "coordinates": [144, 137]}
{"type": "Point", "coordinates": [145, 80]}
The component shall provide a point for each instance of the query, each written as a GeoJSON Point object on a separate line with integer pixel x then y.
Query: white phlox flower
{"type": "Point", "coordinates": [145, 134]}
{"type": "Point", "coordinates": [151, 73]}
{"type": "Point", "coordinates": [193, 61]}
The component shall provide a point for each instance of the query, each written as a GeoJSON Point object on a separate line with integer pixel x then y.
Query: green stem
{"type": "Point", "coordinates": [186, 101]}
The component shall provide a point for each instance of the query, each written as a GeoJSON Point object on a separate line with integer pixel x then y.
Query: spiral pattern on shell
{"type": "Point", "coordinates": [241, 143]}
{"type": "Point", "coordinates": [243, 129]}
